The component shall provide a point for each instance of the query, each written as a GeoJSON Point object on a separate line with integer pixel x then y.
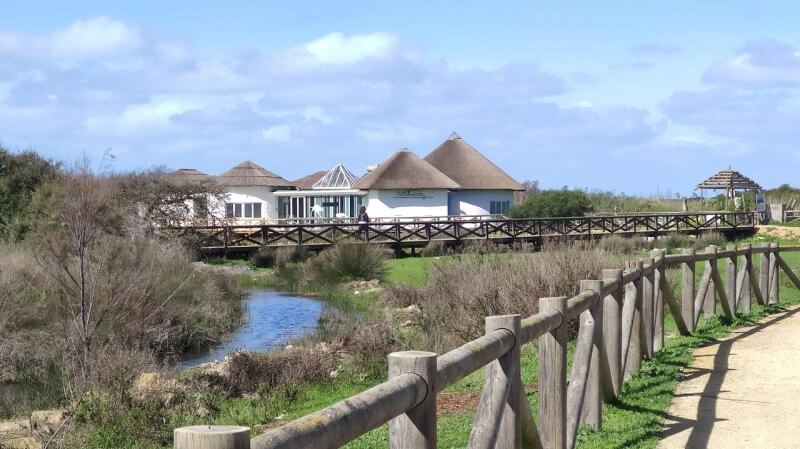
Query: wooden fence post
{"type": "Point", "coordinates": [415, 429]}
{"type": "Point", "coordinates": [763, 273]}
{"type": "Point", "coordinates": [658, 295]}
{"type": "Point", "coordinates": [710, 303]}
{"type": "Point", "coordinates": [593, 398]}
{"type": "Point", "coordinates": [774, 274]}
{"type": "Point", "coordinates": [509, 435]}
{"type": "Point", "coordinates": [612, 337]}
{"type": "Point", "coordinates": [730, 279]}
{"type": "Point", "coordinates": [648, 306]}
{"type": "Point", "coordinates": [553, 378]}
{"type": "Point", "coordinates": [744, 295]}
{"type": "Point", "coordinates": [631, 330]}
{"type": "Point", "coordinates": [212, 437]}
{"type": "Point", "coordinates": [687, 290]}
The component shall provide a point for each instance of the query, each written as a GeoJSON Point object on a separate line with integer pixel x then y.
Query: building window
{"type": "Point", "coordinates": [499, 207]}
{"type": "Point", "coordinates": [243, 210]}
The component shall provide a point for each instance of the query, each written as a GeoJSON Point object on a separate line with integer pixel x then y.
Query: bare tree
{"type": "Point", "coordinates": [531, 188]}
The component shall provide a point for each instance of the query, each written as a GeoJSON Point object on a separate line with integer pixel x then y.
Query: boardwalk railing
{"type": "Point", "coordinates": [502, 230]}
{"type": "Point", "coordinates": [621, 322]}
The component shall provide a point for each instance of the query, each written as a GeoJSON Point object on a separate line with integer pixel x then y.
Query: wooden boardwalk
{"type": "Point", "coordinates": [420, 232]}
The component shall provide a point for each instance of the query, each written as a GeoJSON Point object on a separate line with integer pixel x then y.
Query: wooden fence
{"type": "Point", "coordinates": [418, 232]}
{"type": "Point", "coordinates": [621, 322]}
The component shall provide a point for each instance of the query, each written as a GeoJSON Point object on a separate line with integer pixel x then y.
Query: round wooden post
{"type": "Point", "coordinates": [212, 437]}
{"type": "Point", "coordinates": [687, 290]}
{"type": "Point", "coordinates": [415, 429]}
{"type": "Point", "coordinates": [648, 307]}
{"type": "Point", "coordinates": [763, 273]}
{"type": "Point", "coordinates": [509, 435]}
{"type": "Point", "coordinates": [658, 296]}
{"type": "Point", "coordinates": [710, 304]}
{"type": "Point", "coordinates": [593, 398]}
{"type": "Point", "coordinates": [632, 329]}
{"type": "Point", "coordinates": [730, 279]}
{"type": "Point", "coordinates": [553, 378]}
{"type": "Point", "coordinates": [774, 275]}
{"type": "Point", "coordinates": [744, 295]}
{"type": "Point", "coordinates": [612, 336]}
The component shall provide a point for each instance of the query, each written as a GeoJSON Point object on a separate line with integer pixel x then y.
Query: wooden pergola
{"type": "Point", "coordinates": [731, 181]}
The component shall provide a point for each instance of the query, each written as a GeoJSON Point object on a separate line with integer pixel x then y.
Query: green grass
{"type": "Point", "coordinates": [409, 270]}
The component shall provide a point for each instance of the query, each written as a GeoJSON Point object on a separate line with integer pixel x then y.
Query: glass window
{"type": "Point", "coordinates": [229, 209]}
{"type": "Point", "coordinates": [248, 210]}
{"type": "Point", "coordinates": [256, 210]}
{"type": "Point", "coordinates": [237, 210]}
{"type": "Point", "coordinates": [499, 207]}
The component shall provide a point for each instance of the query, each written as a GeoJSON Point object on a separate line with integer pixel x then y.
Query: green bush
{"type": "Point", "coordinates": [553, 203]}
{"type": "Point", "coordinates": [710, 238]}
{"type": "Point", "coordinates": [346, 262]}
{"type": "Point", "coordinates": [264, 257]}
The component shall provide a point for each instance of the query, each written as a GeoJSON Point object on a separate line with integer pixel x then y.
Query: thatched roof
{"type": "Point", "coordinates": [184, 176]}
{"type": "Point", "coordinates": [406, 170]}
{"type": "Point", "coordinates": [249, 174]}
{"type": "Point", "coordinates": [308, 181]}
{"type": "Point", "coordinates": [729, 180]}
{"type": "Point", "coordinates": [464, 164]}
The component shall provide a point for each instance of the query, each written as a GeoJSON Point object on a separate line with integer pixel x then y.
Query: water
{"type": "Point", "coordinates": [272, 319]}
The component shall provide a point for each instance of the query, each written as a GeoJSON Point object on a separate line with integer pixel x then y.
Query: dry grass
{"type": "Point", "coordinates": [461, 292]}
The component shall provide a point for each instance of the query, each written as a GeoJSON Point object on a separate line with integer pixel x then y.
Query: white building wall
{"type": "Point", "coordinates": [263, 195]}
{"type": "Point", "coordinates": [476, 202]}
{"type": "Point", "coordinates": [407, 203]}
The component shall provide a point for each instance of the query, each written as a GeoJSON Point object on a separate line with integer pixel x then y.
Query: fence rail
{"type": "Point", "coordinates": [421, 231]}
{"type": "Point", "coordinates": [621, 322]}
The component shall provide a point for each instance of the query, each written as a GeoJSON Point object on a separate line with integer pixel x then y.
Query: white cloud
{"type": "Point", "coordinates": [280, 133]}
{"type": "Point", "coordinates": [99, 37]}
{"type": "Point", "coordinates": [148, 117]}
{"type": "Point", "coordinates": [758, 64]}
{"type": "Point", "coordinates": [338, 48]}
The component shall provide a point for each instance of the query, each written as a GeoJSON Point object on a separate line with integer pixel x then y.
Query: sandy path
{"type": "Point", "coordinates": [743, 391]}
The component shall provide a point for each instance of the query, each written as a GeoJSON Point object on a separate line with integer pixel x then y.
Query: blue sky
{"type": "Point", "coordinates": [625, 96]}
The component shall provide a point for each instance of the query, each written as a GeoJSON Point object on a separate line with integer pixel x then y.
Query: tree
{"type": "Point", "coordinates": [553, 203]}
{"type": "Point", "coordinates": [24, 183]}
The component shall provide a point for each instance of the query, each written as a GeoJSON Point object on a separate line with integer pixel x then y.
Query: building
{"type": "Point", "coordinates": [406, 186]}
{"type": "Point", "coordinates": [323, 194]}
{"type": "Point", "coordinates": [194, 209]}
{"type": "Point", "coordinates": [250, 193]}
{"type": "Point", "coordinates": [484, 188]}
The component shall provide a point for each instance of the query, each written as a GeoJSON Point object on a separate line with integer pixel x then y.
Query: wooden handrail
{"type": "Point", "coordinates": [607, 322]}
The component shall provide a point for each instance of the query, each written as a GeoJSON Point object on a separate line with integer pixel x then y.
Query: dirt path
{"type": "Point", "coordinates": [743, 391]}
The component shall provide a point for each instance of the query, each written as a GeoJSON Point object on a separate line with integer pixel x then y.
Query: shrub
{"type": "Point", "coordinates": [710, 238]}
{"type": "Point", "coordinates": [264, 257]}
{"type": "Point", "coordinates": [285, 368]}
{"type": "Point", "coordinates": [553, 203]}
{"type": "Point", "coordinates": [284, 255]}
{"type": "Point", "coordinates": [434, 249]}
{"type": "Point", "coordinates": [673, 242]}
{"type": "Point", "coordinates": [345, 262]}
{"type": "Point", "coordinates": [616, 244]}
{"type": "Point", "coordinates": [461, 292]}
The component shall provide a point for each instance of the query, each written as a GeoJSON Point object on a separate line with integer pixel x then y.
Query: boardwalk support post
{"type": "Point", "coordinates": [648, 308]}
{"type": "Point", "coordinates": [745, 291]}
{"type": "Point", "coordinates": [731, 291]}
{"type": "Point", "coordinates": [764, 274]}
{"type": "Point", "coordinates": [612, 337]}
{"type": "Point", "coordinates": [710, 303]}
{"type": "Point", "coordinates": [774, 274]}
{"type": "Point", "coordinates": [415, 429]}
{"type": "Point", "coordinates": [593, 397]}
{"type": "Point", "coordinates": [659, 286]}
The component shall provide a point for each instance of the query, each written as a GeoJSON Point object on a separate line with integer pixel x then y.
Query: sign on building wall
{"type": "Point", "coordinates": [760, 203]}
{"type": "Point", "coordinates": [411, 194]}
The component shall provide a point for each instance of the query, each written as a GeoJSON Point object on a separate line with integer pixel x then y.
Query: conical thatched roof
{"type": "Point", "coordinates": [729, 180]}
{"type": "Point", "coordinates": [249, 174]}
{"type": "Point", "coordinates": [308, 181]}
{"type": "Point", "coordinates": [472, 170]}
{"type": "Point", "coordinates": [188, 176]}
{"type": "Point", "coordinates": [406, 170]}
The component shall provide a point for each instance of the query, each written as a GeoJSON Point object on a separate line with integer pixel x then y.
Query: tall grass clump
{"type": "Point", "coordinates": [709, 238]}
{"type": "Point", "coordinates": [674, 242]}
{"type": "Point", "coordinates": [345, 262]}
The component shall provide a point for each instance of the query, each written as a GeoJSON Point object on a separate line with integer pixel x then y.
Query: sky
{"type": "Point", "coordinates": [633, 97]}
